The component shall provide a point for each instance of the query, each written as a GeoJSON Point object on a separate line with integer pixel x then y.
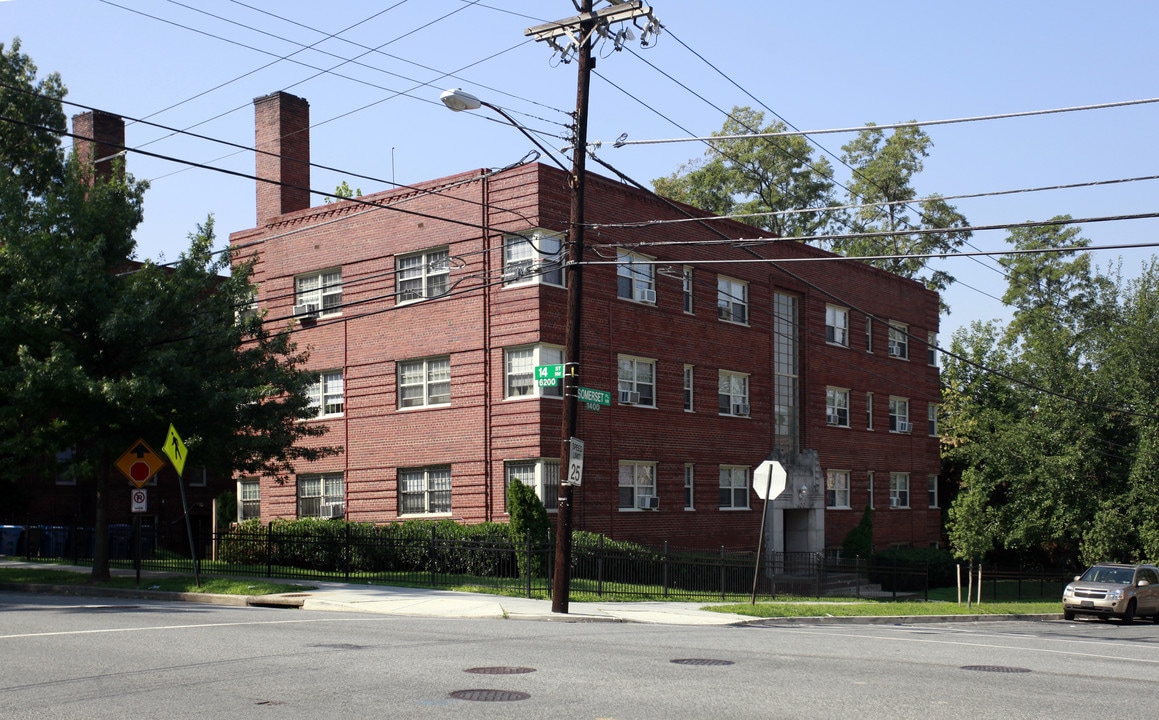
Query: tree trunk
{"type": "Point", "coordinates": [970, 587]}
{"type": "Point", "coordinates": [101, 522]}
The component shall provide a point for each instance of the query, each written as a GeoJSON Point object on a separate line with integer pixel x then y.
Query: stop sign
{"type": "Point", "coordinates": [769, 479]}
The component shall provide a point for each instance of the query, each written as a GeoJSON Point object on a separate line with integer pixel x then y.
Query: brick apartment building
{"type": "Point", "coordinates": [425, 310]}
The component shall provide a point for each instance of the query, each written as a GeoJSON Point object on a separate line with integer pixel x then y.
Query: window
{"type": "Point", "coordinates": [688, 379]}
{"type": "Point", "coordinates": [932, 349]}
{"type": "Point", "coordinates": [734, 488]}
{"type": "Point", "coordinates": [424, 491]}
{"type": "Point", "coordinates": [932, 414]}
{"type": "Point", "coordinates": [899, 490]}
{"type": "Point", "coordinates": [732, 300]}
{"type": "Point", "coordinates": [424, 382]}
{"type": "Point", "coordinates": [837, 407]}
{"type": "Point", "coordinates": [899, 415]}
{"type": "Point", "coordinates": [686, 281]}
{"type": "Point", "coordinates": [734, 394]}
{"type": "Point", "coordinates": [520, 367]}
{"type": "Point", "coordinates": [423, 275]}
{"type": "Point", "coordinates": [933, 491]}
{"type": "Point", "coordinates": [325, 395]}
{"type": "Point", "coordinates": [869, 480]}
{"type": "Point", "coordinates": [197, 477]}
{"type": "Point", "coordinates": [837, 489]}
{"type": "Point", "coordinates": [868, 334]}
{"type": "Point", "coordinates": [637, 381]}
{"type": "Point", "coordinates": [689, 484]}
{"type": "Point", "coordinates": [323, 290]}
{"type": "Point", "coordinates": [532, 257]}
{"type": "Point", "coordinates": [837, 325]}
{"type": "Point", "coordinates": [868, 411]}
{"type": "Point", "coordinates": [249, 505]}
{"type": "Point", "coordinates": [65, 475]}
{"type": "Point", "coordinates": [898, 341]}
{"type": "Point", "coordinates": [541, 474]}
{"type": "Point", "coordinates": [321, 496]}
{"type": "Point", "coordinates": [635, 279]}
{"type": "Point", "coordinates": [785, 362]}
{"type": "Point", "coordinates": [637, 479]}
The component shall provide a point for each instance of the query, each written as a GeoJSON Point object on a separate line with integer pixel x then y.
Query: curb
{"type": "Point", "coordinates": [895, 619]}
{"type": "Point", "coordinates": [88, 591]}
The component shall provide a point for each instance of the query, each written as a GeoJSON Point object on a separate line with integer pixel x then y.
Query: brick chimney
{"type": "Point", "coordinates": [282, 139]}
{"type": "Point", "coordinates": [100, 139]}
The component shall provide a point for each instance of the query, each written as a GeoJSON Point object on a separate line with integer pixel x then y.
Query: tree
{"type": "Point", "coordinates": [757, 175]}
{"type": "Point", "coordinates": [883, 171]}
{"type": "Point", "coordinates": [344, 192]}
{"type": "Point", "coordinates": [99, 349]}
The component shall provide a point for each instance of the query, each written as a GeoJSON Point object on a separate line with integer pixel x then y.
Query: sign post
{"type": "Point", "coordinates": [174, 449]}
{"type": "Point", "coordinates": [138, 503]}
{"type": "Point", "coordinates": [139, 464]}
{"type": "Point", "coordinates": [768, 481]}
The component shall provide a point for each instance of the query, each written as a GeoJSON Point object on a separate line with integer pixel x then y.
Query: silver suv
{"type": "Point", "coordinates": [1106, 590]}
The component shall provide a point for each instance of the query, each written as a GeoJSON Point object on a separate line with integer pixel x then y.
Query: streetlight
{"type": "Point", "coordinates": [459, 100]}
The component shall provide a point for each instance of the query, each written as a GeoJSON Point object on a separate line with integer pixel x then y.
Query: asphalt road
{"type": "Point", "coordinates": [66, 657]}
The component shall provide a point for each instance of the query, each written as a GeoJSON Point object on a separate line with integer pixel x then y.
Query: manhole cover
{"type": "Point", "coordinates": [500, 670]}
{"type": "Point", "coordinates": [996, 668]}
{"type": "Point", "coordinates": [489, 695]}
{"type": "Point", "coordinates": [701, 661]}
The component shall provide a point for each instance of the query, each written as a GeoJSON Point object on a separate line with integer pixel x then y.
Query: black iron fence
{"type": "Point", "coordinates": [600, 568]}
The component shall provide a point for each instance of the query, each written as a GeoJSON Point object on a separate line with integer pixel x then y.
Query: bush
{"type": "Point", "coordinates": [907, 569]}
{"type": "Point", "coordinates": [529, 523]}
{"type": "Point", "coordinates": [859, 541]}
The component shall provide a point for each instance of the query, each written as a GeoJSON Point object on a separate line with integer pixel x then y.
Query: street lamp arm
{"type": "Point", "coordinates": [458, 100]}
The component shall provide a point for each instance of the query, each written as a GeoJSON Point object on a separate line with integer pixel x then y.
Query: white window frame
{"type": "Point", "coordinates": [733, 394]}
{"type": "Point", "coordinates": [837, 325]}
{"type": "Point", "coordinates": [869, 478]}
{"type": "Point", "coordinates": [422, 275]}
{"type": "Point", "coordinates": [899, 414]}
{"type": "Point", "coordinates": [932, 491]}
{"type": "Point", "coordinates": [932, 419]}
{"type": "Point", "coordinates": [899, 490]}
{"type": "Point", "coordinates": [689, 290]}
{"type": "Point", "coordinates": [837, 490]}
{"type": "Point", "coordinates": [932, 349]}
{"type": "Point", "coordinates": [898, 340]}
{"type": "Point", "coordinates": [869, 334]}
{"type": "Point", "coordinates": [535, 256]}
{"type": "Point", "coordinates": [326, 395]}
{"type": "Point", "coordinates": [732, 300]}
{"type": "Point", "coordinates": [837, 407]}
{"type": "Point", "coordinates": [636, 375]}
{"type": "Point", "coordinates": [431, 483]}
{"type": "Point", "coordinates": [322, 288]}
{"type": "Point", "coordinates": [541, 474]}
{"type": "Point", "coordinates": [689, 387]}
{"type": "Point", "coordinates": [869, 411]}
{"type": "Point", "coordinates": [249, 490]}
{"type": "Point", "coordinates": [689, 486]}
{"type": "Point", "coordinates": [635, 278]}
{"type": "Point", "coordinates": [429, 376]}
{"type": "Point", "coordinates": [519, 365]}
{"type": "Point", "coordinates": [636, 478]}
{"type": "Point", "coordinates": [734, 487]}
{"type": "Point", "coordinates": [327, 489]}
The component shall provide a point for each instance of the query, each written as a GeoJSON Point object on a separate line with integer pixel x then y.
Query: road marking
{"type": "Point", "coordinates": [174, 627]}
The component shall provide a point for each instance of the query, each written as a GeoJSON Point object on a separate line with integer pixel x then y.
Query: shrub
{"type": "Point", "coordinates": [859, 541]}
{"type": "Point", "coordinates": [529, 523]}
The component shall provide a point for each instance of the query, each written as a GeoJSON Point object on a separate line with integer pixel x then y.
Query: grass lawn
{"type": "Point", "coordinates": [173, 583]}
{"type": "Point", "coordinates": [838, 607]}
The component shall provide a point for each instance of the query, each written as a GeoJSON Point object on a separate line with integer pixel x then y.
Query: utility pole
{"type": "Point", "coordinates": [575, 35]}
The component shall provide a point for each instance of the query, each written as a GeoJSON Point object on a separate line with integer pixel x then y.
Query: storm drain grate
{"type": "Point", "coordinates": [500, 670]}
{"type": "Point", "coordinates": [490, 695]}
{"type": "Point", "coordinates": [996, 668]}
{"type": "Point", "coordinates": [701, 661]}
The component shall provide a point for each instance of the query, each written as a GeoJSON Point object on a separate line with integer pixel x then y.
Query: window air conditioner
{"type": "Point", "coordinates": [648, 502]}
{"type": "Point", "coordinates": [306, 310]}
{"type": "Point", "coordinates": [629, 397]}
{"type": "Point", "coordinates": [831, 419]}
{"type": "Point", "coordinates": [337, 511]}
{"type": "Point", "coordinates": [895, 350]}
{"type": "Point", "coordinates": [740, 409]}
{"type": "Point", "coordinates": [903, 426]}
{"type": "Point", "coordinates": [646, 295]}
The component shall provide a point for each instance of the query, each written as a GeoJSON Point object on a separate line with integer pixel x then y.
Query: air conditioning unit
{"type": "Point", "coordinates": [903, 426]}
{"type": "Point", "coordinates": [740, 409]}
{"type": "Point", "coordinates": [646, 295]}
{"type": "Point", "coordinates": [629, 397]}
{"type": "Point", "coordinates": [648, 502]}
{"type": "Point", "coordinates": [306, 310]}
{"type": "Point", "coordinates": [895, 350]}
{"type": "Point", "coordinates": [337, 511]}
{"type": "Point", "coordinates": [831, 419]}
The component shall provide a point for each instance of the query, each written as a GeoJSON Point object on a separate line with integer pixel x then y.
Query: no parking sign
{"type": "Point", "coordinates": [139, 500]}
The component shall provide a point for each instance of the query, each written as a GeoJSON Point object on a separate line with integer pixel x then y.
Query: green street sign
{"type": "Point", "coordinates": [548, 375]}
{"type": "Point", "coordinates": [594, 397]}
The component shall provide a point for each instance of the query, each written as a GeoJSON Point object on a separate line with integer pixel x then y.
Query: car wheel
{"type": "Point", "coordinates": [1069, 615]}
{"type": "Point", "coordinates": [1129, 616]}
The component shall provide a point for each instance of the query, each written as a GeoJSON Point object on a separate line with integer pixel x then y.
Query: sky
{"type": "Point", "coordinates": [372, 72]}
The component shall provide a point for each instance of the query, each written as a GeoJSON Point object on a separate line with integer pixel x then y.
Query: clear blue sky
{"type": "Point", "coordinates": [817, 65]}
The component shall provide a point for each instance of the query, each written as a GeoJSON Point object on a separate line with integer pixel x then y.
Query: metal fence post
{"type": "Point", "coordinates": [665, 582]}
{"type": "Point", "coordinates": [431, 557]}
{"type": "Point", "coordinates": [528, 565]}
{"type": "Point", "coordinates": [600, 568]}
{"type": "Point", "coordinates": [346, 551]}
{"type": "Point", "coordinates": [723, 582]}
{"type": "Point", "coordinates": [269, 550]}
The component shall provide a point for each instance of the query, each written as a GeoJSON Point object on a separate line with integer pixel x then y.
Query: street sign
{"type": "Point", "coordinates": [548, 375]}
{"type": "Point", "coordinates": [139, 500]}
{"type": "Point", "coordinates": [593, 397]}
{"type": "Point", "coordinates": [139, 463]}
{"type": "Point", "coordinates": [174, 447]}
{"type": "Point", "coordinates": [575, 462]}
{"type": "Point", "coordinates": [769, 479]}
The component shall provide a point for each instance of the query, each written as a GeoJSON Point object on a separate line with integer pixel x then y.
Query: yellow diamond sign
{"type": "Point", "coordinates": [174, 449]}
{"type": "Point", "coordinates": [139, 463]}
